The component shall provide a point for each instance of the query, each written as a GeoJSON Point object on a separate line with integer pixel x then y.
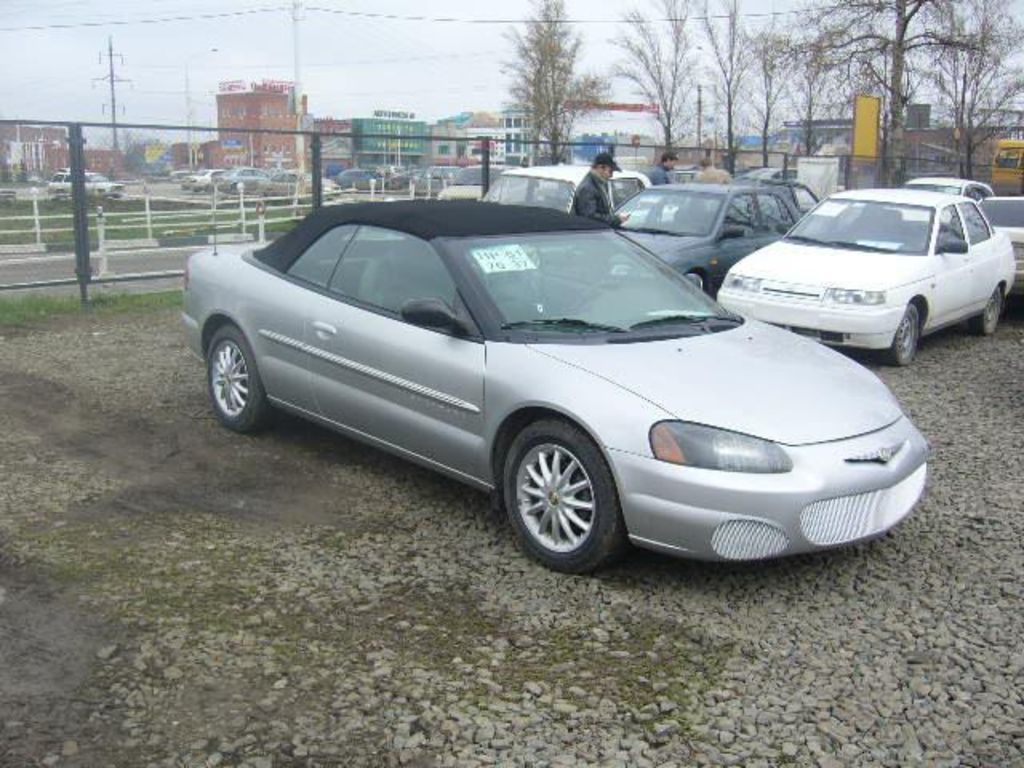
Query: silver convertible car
{"type": "Point", "coordinates": [544, 357]}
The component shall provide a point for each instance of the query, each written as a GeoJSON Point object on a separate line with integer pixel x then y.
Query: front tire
{"type": "Point", "coordinates": [907, 338]}
{"type": "Point", "coordinates": [233, 383]}
{"type": "Point", "coordinates": [561, 499]}
{"type": "Point", "coordinates": [985, 324]}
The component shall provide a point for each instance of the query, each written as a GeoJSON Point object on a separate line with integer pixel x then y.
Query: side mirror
{"type": "Point", "coordinates": [431, 313]}
{"type": "Point", "coordinates": [731, 231]}
{"type": "Point", "coordinates": [951, 244]}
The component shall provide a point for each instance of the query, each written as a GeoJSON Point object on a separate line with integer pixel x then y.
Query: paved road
{"type": "Point", "coordinates": [23, 268]}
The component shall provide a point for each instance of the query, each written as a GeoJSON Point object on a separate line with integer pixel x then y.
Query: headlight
{"type": "Point", "coordinates": [851, 296]}
{"type": "Point", "coordinates": [742, 283]}
{"type": "Point", "coordinates": [694, 445]}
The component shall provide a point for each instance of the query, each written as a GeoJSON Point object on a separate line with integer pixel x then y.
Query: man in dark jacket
{"type": "Point", "coordinates": [593, 197]}
{"type": "Point", "coordinates": [659, 173]}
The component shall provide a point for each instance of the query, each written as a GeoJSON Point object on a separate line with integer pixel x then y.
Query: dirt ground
{"type": "Point", "coordinates": [175, 594]}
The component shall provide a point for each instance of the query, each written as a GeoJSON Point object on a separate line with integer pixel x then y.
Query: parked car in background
{"type": "Point", "coordinates": [179, 176]}
{"type": "Point", "coordinates": [683, 174]}
{"type": "Point", "coordinates": [512, 349]}
{"type": "Point", "coordinates": [96, 184]}
{"type": "Point", "coordinates": [285, 183]}
{"type": "Point", "coordinates": [799, 194]}
{"type": "Point", "coordinates": [878, 269]}
{"type": "Point", "coordinates": [251, 181]}
{"type": "Point", "coordinates": [702, 230]}
{"type": "Point", "coordinates": [468, 183]}
{"type": "Point", "coordinates": [203, 181]}
{"type": "Point", "coordinates": [1006, 214]}
{"type": "Point", "coordinates": [554, 186]}
{"type": "Point", "coordinates": [766, 174]}
{"type": "Point", "coordinates": [975, 190]}
{"type": "Point", "coordinates": [358, 179]}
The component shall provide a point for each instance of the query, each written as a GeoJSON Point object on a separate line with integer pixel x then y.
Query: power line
{"type": "Point", "coordinates": [156, 20]}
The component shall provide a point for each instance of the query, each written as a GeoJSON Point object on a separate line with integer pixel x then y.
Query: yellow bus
{"type": "Point", "coordinates": [1008, 167]}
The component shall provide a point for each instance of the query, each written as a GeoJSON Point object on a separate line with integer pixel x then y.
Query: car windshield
{"type": "Point", "coordinates": [1005, 213]}
{"type": "Point", "coordinates": [586, 283]}
{"type": "Point", "coordinates": [866, 225]}
{"type": "Point", "coordinates": [677, 212]}
{"type": "Point", "coordinates": [946, 189]}
{"type": "Point", "coordinates": [530, 190]}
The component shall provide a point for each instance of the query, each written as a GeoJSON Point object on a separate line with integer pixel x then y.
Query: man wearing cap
{"type": "Point", "coordinates": [593, 197]}
{"type": "Point", "coordinates": [659, 173]}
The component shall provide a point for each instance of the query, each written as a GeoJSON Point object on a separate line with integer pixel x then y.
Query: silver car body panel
{"type": "Point", "coordinates": [440, 401]}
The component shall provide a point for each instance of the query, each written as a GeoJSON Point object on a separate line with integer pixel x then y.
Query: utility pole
{"type": "Point", "coordinates": [113, 79]}
{"type": "Point", "coordinates": [700, 117]}
{"type": "Point", "coordinates": [300, 145]}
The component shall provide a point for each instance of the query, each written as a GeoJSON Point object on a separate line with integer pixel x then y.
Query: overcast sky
{"type": "Point", "coordinates": [350, 64]}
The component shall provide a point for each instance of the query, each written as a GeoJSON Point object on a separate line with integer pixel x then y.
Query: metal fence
{"type": "Point", "coordinates": [83, 204]}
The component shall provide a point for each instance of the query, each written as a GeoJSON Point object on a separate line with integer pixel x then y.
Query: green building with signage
{"type": "Point", "coordinates": [387, 138]}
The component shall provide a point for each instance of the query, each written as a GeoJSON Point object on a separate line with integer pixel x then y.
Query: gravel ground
{"type": "Point", "coordinates": [172, 594]}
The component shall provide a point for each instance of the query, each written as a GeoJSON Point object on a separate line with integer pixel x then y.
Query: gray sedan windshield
{"type": "Point", "coordinates": [677, 212]}
{"type": "Point", "coordinates": [581, 283]}
{"type": "Point", "coordinates": [866, 225]}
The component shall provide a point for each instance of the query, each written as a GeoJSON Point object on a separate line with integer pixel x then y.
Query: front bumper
{"type": "Point", "coordinates": [865, 327]}
{"type": "Point", "coordinates": [826, 501]}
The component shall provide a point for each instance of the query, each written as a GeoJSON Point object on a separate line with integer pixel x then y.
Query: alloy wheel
{"type": "Point", "coordinates": [555, 498]}
{"type": "Point", "coordinates": [229, 377]}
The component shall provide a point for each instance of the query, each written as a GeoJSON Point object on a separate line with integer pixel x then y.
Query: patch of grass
{"type": "Point", "coordinates": [25, 310]}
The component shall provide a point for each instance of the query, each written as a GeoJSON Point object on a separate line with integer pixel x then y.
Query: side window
{"type": "Point", "coordinates": [805, 200]}
{"type": "Point", "coordinates": [775, 213]}
{"type": "Point", "coordinates": [316, 264]}
{"type": "Point", "coordinates": [977, 227]}
{"type": "Point", "coordinates": [623, 189]}
{"type": "Point", "coordinates": [741, 212]}
{"type": "Point", "coordinates": [385, 269]}
{"type": "Point", "coordinates": [949, 224]}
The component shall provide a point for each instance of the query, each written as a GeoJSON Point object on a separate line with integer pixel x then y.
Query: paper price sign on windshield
{"type": "Point", "coordinates": [503, 258]}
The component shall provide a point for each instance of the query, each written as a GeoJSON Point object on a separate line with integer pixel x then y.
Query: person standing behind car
{"type": "Point", "coordinates": [593, 196]}
{"type": "Point", "coordinates": [711, 175]}
{"type": "Point", "coordinates": [659, 173]}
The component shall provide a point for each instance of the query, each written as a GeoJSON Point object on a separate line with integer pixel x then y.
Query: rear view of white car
{"type": "Point", "coordinates": [878, 269]}
{"type": "Point", "coordinates": [1006, 214]}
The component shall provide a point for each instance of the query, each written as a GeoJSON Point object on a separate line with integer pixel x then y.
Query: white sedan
{"type": "Point", "coordinates": [878, 269]}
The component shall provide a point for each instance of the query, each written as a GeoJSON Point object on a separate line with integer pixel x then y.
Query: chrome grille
{"type": "Point", "coordinates": [748, 540]}
{"type": "Point", "coordinates": [842, 519]}
{"type": "Point", "coordinates": [792, 291]}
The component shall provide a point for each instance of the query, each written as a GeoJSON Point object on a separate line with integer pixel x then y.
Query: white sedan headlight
{"type": "Point", "coordinates": [695, 445]}
{"type": "Point", "coordinates": [854, 296]}
{"type": "Point", "coordinates": [742, 283]}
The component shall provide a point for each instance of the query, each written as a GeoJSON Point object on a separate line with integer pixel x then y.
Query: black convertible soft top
{"type": "Point", "coordinates": [424, 219]}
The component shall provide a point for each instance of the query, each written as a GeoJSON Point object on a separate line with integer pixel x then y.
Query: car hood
{"type": "Point", "coordinates": [755, 379]}
{"type": "Point", "coordinates": [832, 267]}
{"type": "Point", "coordinates": [665, 245]}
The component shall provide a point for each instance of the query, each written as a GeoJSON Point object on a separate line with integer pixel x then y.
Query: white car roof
{"type": "Point", "coordinates": [901, 196]}
{"type": "Point", "coordinates": [571, 173]}
{"type": "Point", "coordinates": [949, 180]}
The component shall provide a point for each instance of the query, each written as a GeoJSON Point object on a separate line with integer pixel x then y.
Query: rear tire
{"type": "Point", "coordinates": [561, 499]}
{"type": "Point", "coordinates": [233, 383]}
{"type": "Point", "coordinates": [985, 324]}
{"type": "Point", "coordinates": [907, 338]}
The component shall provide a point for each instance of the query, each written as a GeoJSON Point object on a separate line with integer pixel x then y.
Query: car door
{"type": "Point", "coordinates": [984, 265]}
{"type": "Point", "coordinates": [951, 293]}
{"type": "Point", "coordinates": [416, 389]}
{"type": "Point", "coordinates": [742, 232]}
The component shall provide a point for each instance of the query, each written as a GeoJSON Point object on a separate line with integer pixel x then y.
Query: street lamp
{"type": "Point", "coordinates": [188, 106]}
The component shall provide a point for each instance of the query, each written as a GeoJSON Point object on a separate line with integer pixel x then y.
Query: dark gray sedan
{"type": "Point", "coordinates": [550, 360]}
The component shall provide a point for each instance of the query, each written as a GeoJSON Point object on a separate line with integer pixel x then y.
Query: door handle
{"type": "Point", "coordinates": [324, 330]}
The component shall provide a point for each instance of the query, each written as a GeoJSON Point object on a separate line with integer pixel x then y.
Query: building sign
{"type": "Point", "coordinates": [233, 86]}
{"type": "Point", "coordinates": [387, 114]}
{"type": "Point", "coordinates": [231, 143]}
{"type": "Point", "coordinates": [274, 86]}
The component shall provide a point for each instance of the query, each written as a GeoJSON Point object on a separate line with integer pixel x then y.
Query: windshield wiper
{"type": "Point", "coordinates": [685, 320]}
{"type": "Point", "coordinates": [803, 239]}
{"type": "Point", "coordinates": [568, 322]}
{"type": "Point", "coordinates": [859, 246]}
{"type": "Point", "coordinates": [651, 231]}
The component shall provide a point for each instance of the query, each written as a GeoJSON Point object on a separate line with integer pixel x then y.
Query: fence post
{"type": "Point", "coordinates": [149, 213]}
{"type": "Point", "coordinates": [785, 165]}
{"type": "Point", "coordinates": [318, 171]}
{"type": "Point", "coordinates": [261, 211]}
{"type": "Point", "coordinates": [76, 160]}
{"type": "Point", "coordinates": [101, 240]}
{"type": "Point", "coordinates": [373, 188]}
{"type": "Point", "coordinates": [241, 204]}
{"type": "Point", "coordinates": [295, 198]}
{"type": "Point", "coordinates": [485, 160]}
{"type": "Point", "coordinates": [430, 178]}
{"type": "Point", "coordinates": [412, 189]}
{"type": "Point", "coordinates": [35, 215]}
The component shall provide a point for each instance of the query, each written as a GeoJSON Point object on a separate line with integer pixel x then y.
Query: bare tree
{"type": "Point", "coordinates": [817, 91]}
{"type": "Point", "coordinates": [771, 52]}
{"type": "Point", "coordinates": [732, 62]}
{"type": "Point", "coordinates": [978, 81]}
{"type": "Point", "coordinates": [658, 62]}
{"type": "Point", "coordinates": [881, 39]}
{"type": "Point", "coordinates": [544, 77]}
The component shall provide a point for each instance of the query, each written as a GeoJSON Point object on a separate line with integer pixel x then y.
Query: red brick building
{"type": "Point", "coordinates": [265, 105]}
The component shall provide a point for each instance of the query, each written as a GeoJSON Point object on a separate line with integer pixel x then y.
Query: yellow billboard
{"type": "Point", "coordinates": [154, 152]}
{"type": "Point", "coordinates": [867, 111]}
